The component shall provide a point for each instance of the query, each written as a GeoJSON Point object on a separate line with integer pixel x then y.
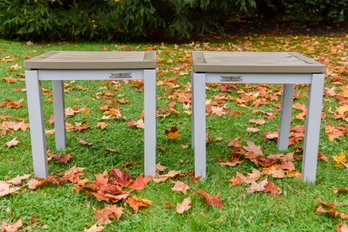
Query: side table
{"type": "Point", "coordinates": [287, 68]}
{"type": "Point", "coordinates": [58, 66]}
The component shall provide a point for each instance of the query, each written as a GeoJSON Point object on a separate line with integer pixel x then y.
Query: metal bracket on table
{"type": "Point", "coordinates": [120, 75]}
{"type": "Point", "coordinates": [231, 79]}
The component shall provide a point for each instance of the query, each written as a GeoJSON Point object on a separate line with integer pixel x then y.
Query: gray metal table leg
{"type": "Point", "coordinates": [199, 126]}
{"type": "Point", "coordinates": [37, 128]}
{"type": "Point", "coordinates": [285, 117]}
{"type": "Point", "coordinates": [150, 122]}
{"type": "Point", "coordinates": [311, 142]}
{"type": "Point", "coordinates": [59, 112]}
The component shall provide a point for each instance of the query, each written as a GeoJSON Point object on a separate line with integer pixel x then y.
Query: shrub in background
{"type": "Point", "coordinates": [132, 19]}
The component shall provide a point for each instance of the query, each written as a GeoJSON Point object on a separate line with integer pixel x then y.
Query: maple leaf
{"type": "Point", "coordinates": [139, 124]}
{"type": "Point", "coordinates": [12, 142]}
{"type": "Point", "coordinates": [62, 158]}
{"type": "Point", "coordinates": [14, 68]}
{"type": "Point", "coordinates": [282, 157]}
{"type": "Point", "coordinates": [252, 130]}
{"type": "Point", "coordinates": [173, 133]}
{"type": "Point", "coordinates": [180, 186]}
{"type": "Point", "coordinates": [8, 227]}
{"type": "Point", "coordinates": [6, 188]}
{"type": "Point", "coordinates": [342, 109]}
{"type": "Point", "coordinates": [339, 159]}
{"type": "Point", "coordinates": [184, 206]}
{"type": "Point", "coordinates": [257, 121]}
{"type": "Point", "coordinates": [321, 202]}
{"type": "Point", "coordinates": [257, 187]}
{"type": "Point", "coordinates": [342, 228]}
{"type": "Point", "coordinates": [272, 188]}
{"type": "Point", "coordinates": [129, 164]}
{"type": "Point", "coordinates": [274, 171]}
{"type": "Point", "coordinates": [136, 202]}
{"type": "Point", "coordinates": [271, 136]}
{"type": "Point", "coordinates": [253, 148]}
{"type": "Point", "coordinates": [121, 178]}
{"type": "Point", "coordinates": [323, 157]}
{"type": "Point", "coordinates": [37, 182]}
{"type": "Point", "coordinates": [332, 212]}
{"type": "Point", "coordinates": [18, 179]}
{"type": "Point", "coordinates": [95, 228]}
{"type": "Point", "coordinates": [102, 125]}
{"type": "Point", "coordinates": [160, 168]}
{"type": "Point", "coordinates": [140, 182]}
{"type": "Point", "coordinates": [211, 201]}
{"type": "Point", "coordinates": [72, 175]}
{"type": "Point", "coordinates": [104, 215]}
{"type": "Point", "coordinates": [333, 132]}
{"type": "Point", "coordinates": [235, 142]}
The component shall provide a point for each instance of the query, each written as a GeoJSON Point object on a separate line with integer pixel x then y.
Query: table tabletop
{"type": "Point", "coordinates": [254, 62]}
{"type": "Point", "coordinates": [93, 60]}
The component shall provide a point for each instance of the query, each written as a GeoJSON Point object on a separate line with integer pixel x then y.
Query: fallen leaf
{"type": "Point", "coordinates": [140, 182]}
{"type": "Point", "coordinates": [338, 190]}
{"type": "Point", "coordinates": [102, 125]}
{"type": "Point", "coordinates": [257, 187]}
{"type": "Point", "coordinates": [18, 179]}
{"type": "Point", "coordinates": [14, 67]}
{"type": "Point", "coordinates": [8, 227]}
{"type": "Point", "coordinates": [253, 148]}
{"type": "Point", "coordinates": [257, 121]}
{"type": "Point", "coordinates": [95, 228]}
{"type": "Point", "coordinates": [62, 158]}
{"type": "Point", "coordinates": [129, 164]}
{"type": "Point", "coordinates": [37, 182]}
{"type": "Point", "coordinates": [136, 202]}
{"type": "Point", "coordinates": [323, 157]}
{"type": "Point", "coordinates": [184, 206]}
{"type": "Point", "coordinates": [121, 178]}
{"type": "Point", "coordinates": [211, 201]}
{"type": "Point", "coordinates": [180, 186]}
{"type": "Point", "coordinates": [173, 133]}
{"type": "Point", "coordinates": [12, 142]}
{"type": "Point", "coordinates": [252, 130]}
{"type": "Point", "coordinates": [339, 159]}
{"type": "Point", "coordinates": [235, 142]}
{"type": "Point", "coordinates": [160, 168]}
{"type": "Point", "coordinates": [321, 202]}
{"type": "Point", "coordinates": [272, 188]}
{"type": "Point", "coordinates": [342, 228]}
{"type": "Point", "coordinates": [83, 142]}
{"type": "Point", "coordinates": [6, 188]}
{"type": "Point", "coordinates": [104, 215]}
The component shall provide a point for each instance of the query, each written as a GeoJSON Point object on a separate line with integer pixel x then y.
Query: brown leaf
{"type": "Point", "coordinates": [342, 228]}
{"type": "Point", "coordinates": [252, 130]}
{"type": "Point", "coordinates": [211, 201]}
{"type": "Point", "coordinates": [333, 132]}
{"type": "Point", "coordinates": [102, 125]}
{"type": "Point", "coordinates": [253, 148]}
{"type": "Point", "coordinates": [257, 121]}
{"type": "Point", "coordinates": [257, 187]}
{"type": "Point", "coordinates": [180, 186]}
{"type": "Point", "coordinates": [140, 182]}
{"type": "Point", "coordinates": [173, 133]}
{"type": "Point", "coordinates": [136, 202]}
{"type": "Point", "coordinates": [321, 202]}
{"type": "Point", "coordinates": [12, 142]}
{"type": "Point", "coordinates": [272, 188]}
{"type": "Point", "coordinates": [323, 157]}
{"type": "Point", "coordinates": [184, 206]}
{"type": "Point", "coordinates": [338, 190]}
{"type": "Point", "coordinates": [8, 227]}
{"type": "Point", "coordinates": [121, 178]}
{"type": "Point", "coordinates": [62, 158]}
{"type": "Point", "coordinates": [6, 188]}
{"type": "Point", "coordinates": [72, 175]}
{"type": "Point", "coordinates": [37, 182]}
{"type": "Point", "coordinates": [83, 142]}
{"type": "Point", "coordinates": [95, 228]}
{"type": "Point", "coordinates": [18, 179]}
{"type": "Point", "coordinates": [104, 215]}
{"type": "Point", "coordinates": [160, 168]}
{"type": "Point", "coordinates": [235, 142]}
{"type": "Point", "coordinates": [129, 164]}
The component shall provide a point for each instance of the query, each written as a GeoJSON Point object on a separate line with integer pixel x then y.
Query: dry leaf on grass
{"type": "Point", "coordinates": [180, 186]}
{"type": "Point", "coordinates": [8, 227]}
{"type": "Point", "coordinates": [184, 206]}
{"type": "Point", "coordinates": [211, 201]}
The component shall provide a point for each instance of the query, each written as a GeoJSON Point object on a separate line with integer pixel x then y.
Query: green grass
{"type": "Point", "coordinates": [59, 208]}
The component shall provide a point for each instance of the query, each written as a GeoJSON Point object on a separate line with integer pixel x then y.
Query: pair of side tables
{"type": "Point", "coordinates": [208, 67]}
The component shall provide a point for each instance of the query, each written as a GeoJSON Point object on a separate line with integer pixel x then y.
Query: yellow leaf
{"type": "Point", "coordinates": [342, 109]}
{"type": "Point", "coordinates": [339, 159]}
{"type": "Point", "coordinates": [173, 135]}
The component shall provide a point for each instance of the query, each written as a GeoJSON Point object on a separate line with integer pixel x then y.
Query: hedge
{"type": "Point", "coordinates": [166, 19]}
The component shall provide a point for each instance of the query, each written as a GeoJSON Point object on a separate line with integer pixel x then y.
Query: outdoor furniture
{"type": "Point", "coordinates": [58, 66]}
{"type": "Point", "coordinates": [287, 68]}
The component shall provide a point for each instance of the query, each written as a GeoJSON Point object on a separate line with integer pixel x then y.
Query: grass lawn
{"type": "Point", "coordinates": [60, 208]}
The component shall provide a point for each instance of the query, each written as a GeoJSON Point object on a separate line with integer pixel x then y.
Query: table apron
{"type": "Point", "coordinates": [91, 75]}
{"type": "Point", "coordinates": [254, 78]}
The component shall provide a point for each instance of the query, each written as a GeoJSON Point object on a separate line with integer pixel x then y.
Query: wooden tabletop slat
{"type": "Point", "coordinates": [89, 60]}
{"type": "Point", "coordinates": [254, 62]}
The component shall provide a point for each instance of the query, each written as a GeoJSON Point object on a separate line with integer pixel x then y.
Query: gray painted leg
{"type": "Point", "coordinates": [285, 117]}
{"type": "Point", "coordinates": [199, 124]}
{"type": "Point", "coordinates": [37, 128]}
{"type": "Point", "coordinates": [58, 105]}
{"type": "Point", "coordinates": [311, 142]}
{"type": "Point", "coordinates": [150, 122]}
{"type": "Point", "coordinates": [192, 115]}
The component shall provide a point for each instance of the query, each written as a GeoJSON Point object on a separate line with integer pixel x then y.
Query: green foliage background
{"type": "Point", "coordinates": [168, 19]}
